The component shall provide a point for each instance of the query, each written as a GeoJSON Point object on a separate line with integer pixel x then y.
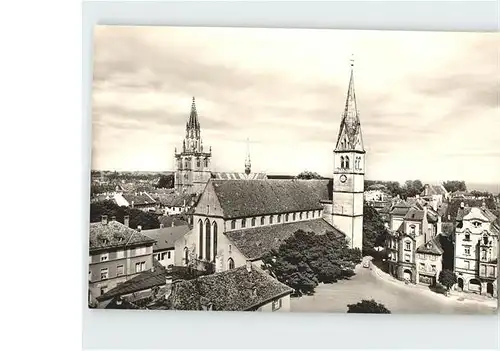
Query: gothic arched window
{"type": "Point", "coordinates": [243, 223]}
{"type": "Point", "coordinates": [294, 216]}
{"type": "Point", "coordinates": [230, 263]}
{"type": "Point", "coordinates": [286, 217]}
{"type": "Point", "coordinates": [198, 162]}
{"type": "Point", "coordinates": [253, 222]}
{"type": "Point", "coordinates": [186, 164]}
{"type": "Point", "coordinates": [279, 218]}
{"type": "Point", "coordinates": [214, 230]}
{"type": "Point", "coordinates": [347, 162]}
{"type": "Point", "coordinates": [206, 162]}
{"type": "Point", "coordinates": [200, 250]}
{"type": "Point", "coordinates": [207, 240]}
{"type": "Point", "coordinates": [342, 164]}
{"type": "Point", "coordinates": [271, 219]}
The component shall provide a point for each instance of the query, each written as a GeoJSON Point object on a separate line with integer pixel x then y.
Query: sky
{"type": "Point", "coordinates": [428, 101]}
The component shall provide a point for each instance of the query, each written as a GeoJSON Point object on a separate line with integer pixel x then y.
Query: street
{"type": "Point", "coordinates": [398, 298]}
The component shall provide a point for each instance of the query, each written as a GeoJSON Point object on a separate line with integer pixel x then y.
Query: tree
{"type": "Point", "coordinates": [374, 231]}
{"type": "Point", "coordinates": [305, 259]}
{"type": "Point", "coordinates": [309, 175]}
{"type": "Point", "coordinates": [454, 185]}
{"type": "Point", "coordinates": [447, 278]}
{"type": "Point", "coordinates": [412, 188]}
{"type": "Point", "coordinates": [136, 217]}
{"type": "Point", "coordinates": [166, 181]}
{"type": "Point", "coordinates": [367, 306]}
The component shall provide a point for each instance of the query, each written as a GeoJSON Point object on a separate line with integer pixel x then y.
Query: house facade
{"type": "Point", "coordinates": [165, 237]}
{"type": "Point", "coordinates": [429, 262]}
{"type": "Point", "coordinates": [116, 253]}
{"type": "Point", "coordinates": [476, 251]}
{"type": "Point", "coordinates": [419, 226]}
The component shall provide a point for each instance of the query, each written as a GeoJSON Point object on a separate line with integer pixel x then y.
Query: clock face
{"type": "Point", "coordinates": [343, 178]}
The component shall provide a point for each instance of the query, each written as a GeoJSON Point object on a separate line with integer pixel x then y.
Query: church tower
{"type": "Point", "coordinates": [192, 163]}
{"type": "Point", "coordinates": [349, 172]}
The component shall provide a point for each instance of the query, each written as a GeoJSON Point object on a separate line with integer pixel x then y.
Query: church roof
{"type": "Point", "coordinates": [350, 137]}
{"type": "Point", "coordinates": [246, 198]}
{"type": "Point", "coordinates": [255, 242]}
{"type": "Point", "coordinates": [430, 189]}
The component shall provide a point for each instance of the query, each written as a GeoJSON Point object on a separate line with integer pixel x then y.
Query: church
{"type": "Point", "coordinates": [240, 217]}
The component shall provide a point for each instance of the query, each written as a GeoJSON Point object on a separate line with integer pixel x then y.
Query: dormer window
{"type": "Point", "coordinates": [485, 239]}
{"type": "Point", "coordinates": [233, 224]}
{"type": "Point", "coordinates": [412, 229]}
{"type": "Point", "coordinates": [253, 222]}
{"type": "Point", "coordinates": [467, 237]}
{"type": "Point", "coordinates": [262, 220]}
{"type": "Point", "coordinates": [476, 224]}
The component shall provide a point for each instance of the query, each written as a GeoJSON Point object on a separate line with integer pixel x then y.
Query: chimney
{"type": "Point", "coordinates": [249, 266]}
{"type": "Point", "coordinates": [139, 228]}
{"type": "Point", "coordinates": [104, 219]}
{"type": "Point", "coordinates": [126, 221]}
{"type": "Point", "coordinates": [113, 218]}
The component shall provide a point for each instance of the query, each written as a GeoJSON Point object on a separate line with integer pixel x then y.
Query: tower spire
{"type": "Point", "coordinates": [349, 137]}
{"type": "Point", "coordinates": [248, 163]}
{"type": "Point", "coordinates": [193, 122]}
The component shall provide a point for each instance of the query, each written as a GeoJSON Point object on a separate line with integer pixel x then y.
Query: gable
{"type": "Point", "coordinates": [208, 204]}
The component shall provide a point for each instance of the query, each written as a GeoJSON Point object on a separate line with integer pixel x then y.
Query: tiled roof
{"type": "Point", "coordinates": [238, 176]}
{"type": "Point", "coordinates": [173, 199]}
{"type": "Point", "coordinates": [166, 237]}
{"type": "Point", "coordinates": [462, 212]}
{"type": "Point", "coordinates": [139, 199]}
{"type": "Point", "coordinates": [256, 241]}
{"type": "Point", "coordinates": [231, 290]}
{"type": "Point", "coordinates": [454, 207]}
{"type": "Point", "coordinates": [168, 220]}
{"type": "Point", "coordinates": [114, 234]}
{"type": "Point", "coordinates": [431, 247]}
{"type": "Point", "coordinates": [144, 280]}
{"type": "Point", "coordinates": [430, 190]}
{"type": "Point", "coordinates": [417, 215]}
{"type": "Point", "coordinates": [245, 198]}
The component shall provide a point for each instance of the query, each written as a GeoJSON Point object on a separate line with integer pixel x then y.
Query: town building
{"type": "Point", "coordinates": [193, 161]}
{"type": "Point", "coordinates": [476, 250]}
{"type": "Point", "coordinates": [429, 261]}
{"type": "Point", "coordinates": [246, 288]}
{"type": "Point", "coordinates": [376, 195]}
{"type": "Point", "coordinates": [435, 194]}
{"type": "Point", "coordinates": [116, 254]}
{"type": "Point", "coordinates": [419, 225]}
{"type": "Point", "coordinates": [138, 200]}
{"type": "Point", "coordinates": [165, 237]}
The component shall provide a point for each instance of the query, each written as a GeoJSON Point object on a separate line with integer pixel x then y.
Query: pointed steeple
{"type": "Point", "coordinates": [248, 163]}
{"type": "Point", "coordinates": [193, 117]}
{"type": "Point", "coordinates": [350, 138]}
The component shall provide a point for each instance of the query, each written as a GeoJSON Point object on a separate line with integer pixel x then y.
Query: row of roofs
{"type": "Point", "coordinates": [241, 289]}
